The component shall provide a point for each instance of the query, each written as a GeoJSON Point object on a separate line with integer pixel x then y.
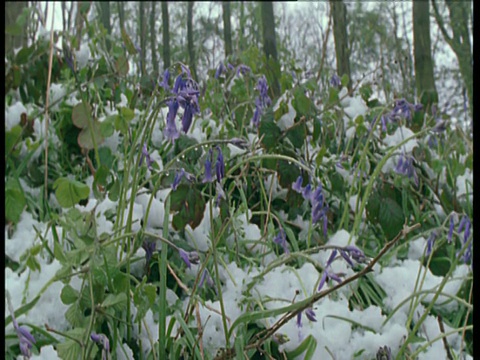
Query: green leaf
{"type": "Point", "coordinates": [301, 103]}
{"type": "Point", "coordinates": [307, 346]}
{"type": "Point", "coordinates": [297, 135]}
{"type": "Point", "coordinates": [70, 349]}
{"type": "Point", "coordinates": [85, 140]}
{"type": "Point", "coordinates": [127, 113]}
{"type": "Point", "coordinates": [70, 192]}
{"type": "Point", "coordinates": [117, 301]}
{"type": "Point", "coordinates": [107, 126]}
{"type": "Point", "coordinates": [287, 173]}
{"type": "Point", "coordinates": [15, 201]}
{"type": "Point", "coordinates": [189, 205]}
{"type": "Point", "coordinates": [344, 80]}
{"type": "Point", "coordinates": [74, 315]}
{"type": "Point", "coordinates": [270, 132]}
{"type": "Point", "coordinates": [12, 138]}
{"type": "Point", "coordinates": [81, 114]}
{"type": "Point", "coordinates": [69, 295]}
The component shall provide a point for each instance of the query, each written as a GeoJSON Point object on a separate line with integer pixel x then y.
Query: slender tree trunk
{"type": "Point", "coordinates": [270, 45]}
{"type": "Point", "coordinates": [227, 28]}
{"type": "Point", "coordinates": [424, 78]}
{"type": "Point", "coordinates": [121, 14]}
{"type": "Point", "coordinates": [190, 45]}
{"type": "Point", "coordinates": [460, 40]}
{"type": "Point", "coordinates": [339, 13]}
{"type": "Point", "coordinates": [166, 35]}
{"type": "Point", "coordinates": [105, 17]}
{"type": "Point", "coordinates": [153, 39]}
{"type": "Point", "coordinates": [12, 11]}
{"type": "Point", "coordinates": [82, 10]}
{"type": "Point", "coordinates": [242, 26]}
{"type": "Point", "coordinates": [143, 36]}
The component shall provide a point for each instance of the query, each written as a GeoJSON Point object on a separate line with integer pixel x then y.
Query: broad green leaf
{"type": "Point", "coordinates": [81, 115]}
{"type": "Point", "coordinates": [12, 138]}
{"type": "Point", "coordinates": [85, 140]}
{"type": "Point", "coordinates": [301, 103]}
{"type": "Point", "coordinates": [74, 316]}
{"type": "Point", "coordinates": [70, 349]}
{"type": "Point", "coordinates": [189, 205]}
{"type": "Point", "coordinates": [70, 192]}
{"type": "Point", "coordinates": [117, 301]}
{"type": "Point", "coordinates": [287, 173]}
{"type": "Point", "coordinates": [69, 295]}
{"type": "Point", "coordinates": [270, 132]}
{"type": "Point", "coordinates": [15, 201]}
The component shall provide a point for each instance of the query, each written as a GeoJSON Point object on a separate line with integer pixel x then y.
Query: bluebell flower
{"type": "Point", "coordinates": [206, 278]}
{"type": "Point", "coordinates": [146, 155]}
{"type": "Point", "coordinates": [384, 120]}
{"type": "Point", "coordinates": [26, 339]}
{"type": "Point", "coordinates": [170, 131]}
{"type": "Point", "coordinates": [465, 224]}
{"type": "Point", "coordinates": [356, 254]}
{"type": "Point", "coordinates": [189, 257]}
{"type": "Point", "coordinates": [208, 168]}
{"type": "Point", "coordinates": [281, 240]}
{"type": "Point", "coordinates": [431, 242]}
{"type": "Point", "coordinates": [149, 247]}
{"type": "Point", "coordinates": [326, 272]}
{"type": "Point", "coordinates": [335, 81]}
{"type": "Point", "coordinates": [405, 167]}
{"type": "Point", "coordinates": [262, 101]}
{"type": "Point", "coordinates": [187, 118]}
{"type": "Point", "coordinates": [256, 117]}
{"type": "Point", "coordinates": [102, 339]}
{"type": "Point", "coordinates": [165, 81]}
{"type": "Point", "coordinates": [230, 66]}
{"type": "Point", "coordinates": [220, 165]}
{"type": "Point", "coordinates": [310, 314]}
{"type": "Point", "coordinates": [220, 70]}
{"type": "Point", "coordinates": [403, 109]}
{"type": "Point", "coordinates": [243, 69]}
{"type": "Point", "coordinates": [178, 177]}
{"type": "Point", "coordinates": [297, 185]}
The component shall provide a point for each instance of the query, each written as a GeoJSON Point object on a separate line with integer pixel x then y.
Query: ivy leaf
{"type": "Point", "coordinates": [70, 192]}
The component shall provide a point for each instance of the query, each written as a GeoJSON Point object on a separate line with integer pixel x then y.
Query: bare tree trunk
{"type": "Point", "coordinates": [12, 11]}
{"type": "Point", "coordinates": [270, 45]}
{"type": "Point", "coordinates": [339, 13]}
{"type": "Point", "coordinates": [153, 40]}
{"type": "Point", "coordinates": [460, 40]}
{"type": "Point", "coordinates": [166, 35]}
{"type": "Point", "coordinates": [424, 78]}
{"type": "Point", "coordinates": [82, 10]}
{"type": "Point", "coordinates": [105, 17]}
{"type": "Point", "coordinates": [227, 28]}
{"type": "Point", "coordinates": [190, 45]}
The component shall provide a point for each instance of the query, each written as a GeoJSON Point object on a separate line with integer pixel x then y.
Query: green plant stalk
{"type": "Point", "coordinates": [432, 303]}
{"type": "Point", "coordinates": [162, 316]}
{"type": "Point", "coordinates": [217, 274]}
{"type": "Point", "coordinates": [439, 337]}
{"type": "Point", "coordinates": [376, 172]}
